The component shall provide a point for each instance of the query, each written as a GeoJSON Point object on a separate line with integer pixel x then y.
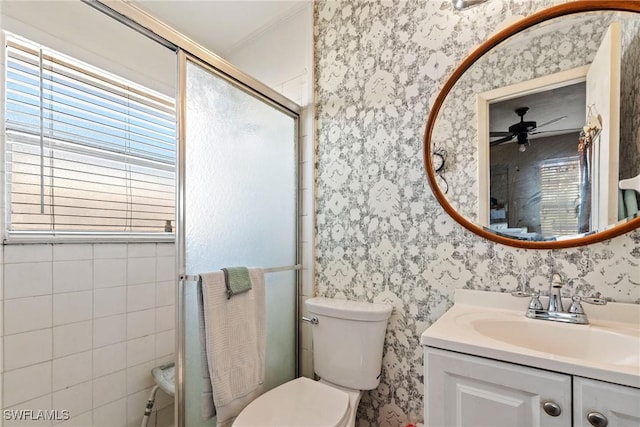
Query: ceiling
{"type": "Point", "coordinates": [221, 25]}
{"type": "Point", "coordinates": [544, 106]}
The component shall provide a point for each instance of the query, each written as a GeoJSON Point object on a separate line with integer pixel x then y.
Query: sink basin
{"type": "Point", "coordinates": [494, 325]}
{"type": "Point", "coordinates": [594, 343]}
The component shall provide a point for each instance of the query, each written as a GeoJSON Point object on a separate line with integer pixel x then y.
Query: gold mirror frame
{"type": "Point", "coordinates": [544, 15]}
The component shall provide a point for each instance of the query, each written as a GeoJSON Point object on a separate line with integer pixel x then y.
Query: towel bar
{"type": "Point", "coordinates": [195, 278]}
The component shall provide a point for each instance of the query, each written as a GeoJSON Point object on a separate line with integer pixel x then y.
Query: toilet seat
{"type": "Point", "coordinates": [300, 402]}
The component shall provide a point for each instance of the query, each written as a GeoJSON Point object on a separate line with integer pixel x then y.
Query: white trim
{"type": "Point", "coordinates": [484, 99]}
{"type": "Point", "coordinates": [22, 237]}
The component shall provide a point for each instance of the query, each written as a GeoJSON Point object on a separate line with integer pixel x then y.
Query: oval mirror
{"type": "Point", "coordinates": [534, 141]}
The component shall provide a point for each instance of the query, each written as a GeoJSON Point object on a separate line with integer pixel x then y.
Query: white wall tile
{"type": "Point", "coordinates": [307, 202]}
{"type": "Point", "coordinates": [141, 350]}
{"type": "Point", "coordinates": [28, 348]}
{"type": "Point", "coordinates": [72, 251]}
{"type": "Point", "coordinates": [163, 400]}
{"type": "Point", "coordinates": [141, 323]}
{"type": "Point", "coordinates": [27, 383]}
{"type": "Point", "coordinates": [109, 250]}
{"type": "Point", "coordinates": [109, 359]}
{"type": "Point", "coordinates": [164, 360]}
{"type": "Point", "coordinates": [109, 330]}
{"type": "Point", "coordinates": [27, 279]}
{"type": "Point", "coordinates": [306, 364]}
{"type": "Point", "coordinates": [165, 416]}
{"type": "Point", "coordinates": [27, 253]}
{"type": "Point", "coordinates": [109, 272]}
{"type": "Point", "coordinates": [76, 399]}
{"type": "Point", "coordinates": [165, 293]}
{"type": "Point", "coordinates": [135, 406]}
{"type": "Point", "coordinates": [42, 402]}
{"type": "Point", "coordinates": [72, 338]}
{"type": "Point", "coordinates": [111, 415]}
{"type": "Point", "coordinates": [165, 269]}
{"type": "Point", "coordinates": [141, 297]}
{"type": "Point", "coordinates": [109, 301]}
{"type": "Point", "coordinates": [71, 370]}
{"type": "Point", "coordinates": [72, 307]}
{"type": "Point", "coordinates": [166, 249]}
{"type": "Point", "coordinates": [165, 318]}
{"type": "Point", "coordinates": [109, 388]}
{"type": "Point", "coordinates": [165, 343]}
{"type": "Point", "coordinates": [27, 314]}
{"type": "Point", "coordinates": [141, 270]}
{"type": "Point", "coordinates": [69, 276]}
{"type": "Point", "coordinates": [139, 377]}
{"type": "Point", "coordinates": [137, 250]}
{"type": "Point", "coordinates": [78, 420]}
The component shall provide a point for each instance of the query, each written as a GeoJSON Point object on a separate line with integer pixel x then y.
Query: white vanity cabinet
{"type": "Point", "coordinates": [469, 391]}
{"type": "Point", "coordinates": [600, 404]}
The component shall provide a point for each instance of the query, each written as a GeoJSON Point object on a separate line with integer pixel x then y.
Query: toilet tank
{"type": "Point", "coordinates": [348, 341]}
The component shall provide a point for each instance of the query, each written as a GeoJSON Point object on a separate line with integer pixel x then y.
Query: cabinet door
{"type": "Point", "coordinates": [618, 404]}
{"type": "Point", "coordinates": [469, 391]}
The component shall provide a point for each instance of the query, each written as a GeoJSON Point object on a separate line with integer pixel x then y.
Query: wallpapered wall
{"type": "Point", "coordinates": [380, 234]}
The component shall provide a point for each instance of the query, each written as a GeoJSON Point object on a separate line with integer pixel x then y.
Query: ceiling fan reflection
{"type": "Point", "coordinates": [522, 129]}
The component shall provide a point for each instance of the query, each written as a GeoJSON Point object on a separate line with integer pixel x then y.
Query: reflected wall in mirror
{"type": "Point", "coordinates": [512, 118]}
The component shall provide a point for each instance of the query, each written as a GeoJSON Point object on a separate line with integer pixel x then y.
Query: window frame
{"type": "Point", "coordinates": [81, 236]}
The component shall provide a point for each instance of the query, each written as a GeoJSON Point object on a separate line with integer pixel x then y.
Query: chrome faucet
{"type": "Point", "coordinates": [555, 310]}
{"type": "Point", "coordinates": [555, 298]}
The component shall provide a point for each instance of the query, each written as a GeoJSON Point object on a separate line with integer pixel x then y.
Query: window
{"type": "Point", "coordinates": [559, 196]}
{"type": "Point", "coordinates": [86, 151]}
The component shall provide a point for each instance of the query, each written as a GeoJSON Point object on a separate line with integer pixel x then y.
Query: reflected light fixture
{"type": "Point", "coordinates": [463, 4]}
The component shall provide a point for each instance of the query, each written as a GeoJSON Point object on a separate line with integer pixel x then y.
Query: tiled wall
{"type": "Point", "coordinates": [83, 325]}
{"type": "Point", "coordinates": [282, 58]}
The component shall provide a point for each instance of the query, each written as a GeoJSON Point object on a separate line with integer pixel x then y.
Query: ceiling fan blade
{"type": "Point", "coordinates": [501, 140]}
{"type": "Point", "coordinates": [496, 134]}
{"type": "Point", "coordinates": [557, 119]}
{"type": "Point", "coordinates": [556, 131]}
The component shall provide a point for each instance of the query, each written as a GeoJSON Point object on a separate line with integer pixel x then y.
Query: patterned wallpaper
{"type": "Point", "coordinates": [380, 233]}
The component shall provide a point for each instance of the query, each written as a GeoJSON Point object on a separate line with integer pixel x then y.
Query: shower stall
{"type": "Point", "coordinates": [237, 203]}
{"type": "Point", "coordinates": [237, 206]}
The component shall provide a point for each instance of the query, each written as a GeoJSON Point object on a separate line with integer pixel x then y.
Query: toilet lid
{"type": "Point", "coordinates": [301, 402]}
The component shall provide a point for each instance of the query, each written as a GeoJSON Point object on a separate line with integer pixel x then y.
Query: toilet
{"type": "Point", "coordinates": [348, 340]}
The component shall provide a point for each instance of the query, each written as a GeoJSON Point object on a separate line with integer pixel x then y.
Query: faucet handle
{"type": "Point", "coordinates": [535, 303]}
{"type": "Point", "coordinates": [576, 307]}
{"type": "Point", "coordinates": [594, 300]}
{"type": "Point", "coordinates": [521, 294]}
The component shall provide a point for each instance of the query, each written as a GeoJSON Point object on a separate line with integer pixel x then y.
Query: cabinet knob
{"type": "Point", "coordinates": [552, 408]}
{"type": "Point", "coordinates": [597, 419]}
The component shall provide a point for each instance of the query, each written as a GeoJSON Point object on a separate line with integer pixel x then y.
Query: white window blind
{"type": "Point", "coordinates": [560, 196]}
{"type": "Point", "coordinates": [86, 151]}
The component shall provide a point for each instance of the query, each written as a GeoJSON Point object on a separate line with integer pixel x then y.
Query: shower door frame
{"type": "Point", "coordinates": [188, 50]}
{"type": "Point", "coordinates": [183, 58]}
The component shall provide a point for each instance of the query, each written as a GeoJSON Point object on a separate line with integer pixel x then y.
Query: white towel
{"type": "Point", "coordinates": [208, 409]}
{"type": "Point", "coordinates": [236, 339]}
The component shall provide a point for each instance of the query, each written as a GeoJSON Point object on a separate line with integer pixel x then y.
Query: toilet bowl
{"type": "Point", "coordinates": [348, 340]}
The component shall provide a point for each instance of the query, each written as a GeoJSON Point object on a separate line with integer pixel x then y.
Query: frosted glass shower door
{"type": "Point", "coordinates": [240, 199]}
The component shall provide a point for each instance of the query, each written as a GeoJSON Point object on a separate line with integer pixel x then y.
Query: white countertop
{"type": "Point", "coordinates": [457, 330]}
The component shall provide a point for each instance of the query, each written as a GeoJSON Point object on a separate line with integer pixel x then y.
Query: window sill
{"type": "Point", "coordinates": [25, 237]}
